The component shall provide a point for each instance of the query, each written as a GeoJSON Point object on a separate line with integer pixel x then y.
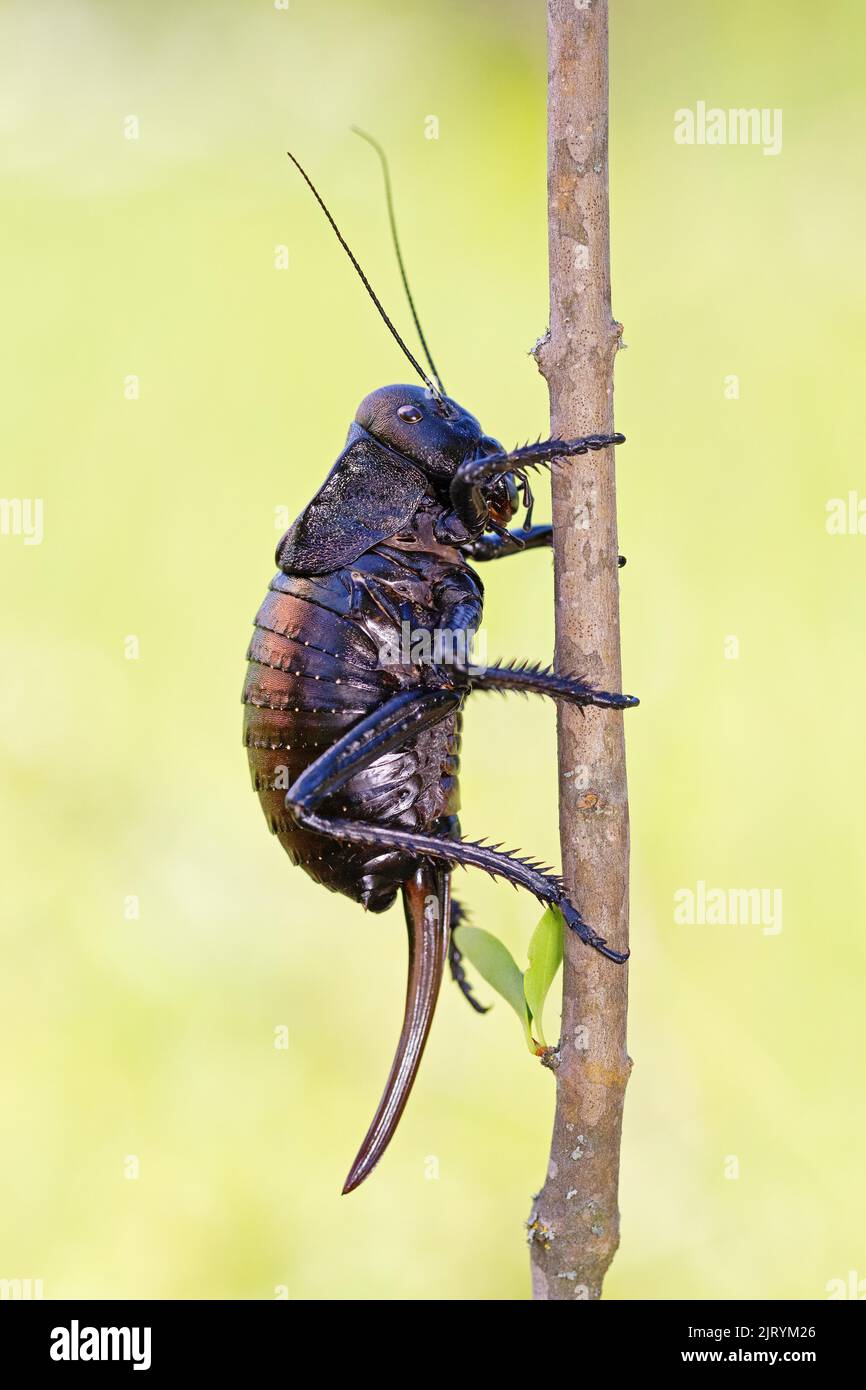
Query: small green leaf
{"type": "Point", "coordinates": [495, 963]}
{"type": "Point", "coordinates": [545, 958]}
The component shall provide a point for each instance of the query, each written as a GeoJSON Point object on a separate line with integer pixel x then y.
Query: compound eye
{"type": "Point", "coordinates": [410, 413]}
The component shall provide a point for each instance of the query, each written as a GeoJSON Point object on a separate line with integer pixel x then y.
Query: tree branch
{"type": "Point", "coordinates": [574, 1224]}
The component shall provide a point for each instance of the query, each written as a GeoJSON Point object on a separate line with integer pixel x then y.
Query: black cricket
{"type": "Point", "coordinates": [361, 662]}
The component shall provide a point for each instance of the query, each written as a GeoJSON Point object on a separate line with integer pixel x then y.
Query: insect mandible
{"type": "Point", "coordinates": [361, 662]}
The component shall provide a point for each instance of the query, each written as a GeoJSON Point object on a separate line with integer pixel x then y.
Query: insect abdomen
{"type": "Point", "coordinates": [314, 672]}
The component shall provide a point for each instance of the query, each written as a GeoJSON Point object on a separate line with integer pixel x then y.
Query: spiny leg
{"type": "Point", "coordinates": [543, 680]}
{"type": "Point", "coordinates": [450, 826]}
{"type": "Point", "coordinates": [496, 547]}
{"type": "Point", "coordinates": [469, 490]}
{"type": "Point", "coordinates": [547, 887]}
{"type": "Point", "coordinates": [459, 916]}
{"type": "Point", "coordinates": [397, 720]}
{"type": "Point", "coordinates": [473, 476]}
{"type": "Point", "coordinates": [542, 453]}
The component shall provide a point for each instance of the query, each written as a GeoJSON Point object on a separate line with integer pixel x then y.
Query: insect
{"type": "Point", "coordinates": [361, 662]}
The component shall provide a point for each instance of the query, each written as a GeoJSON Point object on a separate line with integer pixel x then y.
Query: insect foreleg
{"type": "Point", "coordinates": [478, 471]}
{"type": "Point", "coordinates": [469, 516]}
{"type": "Point", "coordinates": [489, 547]}
{"type": "Point", "coordinates": [492, 547]}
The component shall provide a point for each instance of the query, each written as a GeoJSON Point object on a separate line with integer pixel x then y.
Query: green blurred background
{"type": "Point", "coordinates": [155, 257]}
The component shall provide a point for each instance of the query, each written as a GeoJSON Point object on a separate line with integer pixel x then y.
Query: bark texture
{"type": "Point", "coordinates": [574, 1224]}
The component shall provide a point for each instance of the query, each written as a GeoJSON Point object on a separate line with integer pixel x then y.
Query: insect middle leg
{"type": "Point", "coordinates": [541, 680]}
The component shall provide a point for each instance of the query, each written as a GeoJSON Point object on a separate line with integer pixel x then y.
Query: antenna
{"type": "Point", "coordinates": [393, 221]}
{"type": "Point", "coordinates": [435, 389]}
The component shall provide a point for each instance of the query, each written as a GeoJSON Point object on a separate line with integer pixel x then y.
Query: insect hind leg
{"type": "Point", "coordinates": [546, 886]}
{"type": "Point", "coordinates": [455, 960]}
{"type": "Point", "coordinates": [395, 722]}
